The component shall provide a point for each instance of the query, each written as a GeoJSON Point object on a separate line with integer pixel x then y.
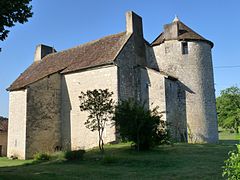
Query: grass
{"type": "Point", "coordinates": [181, 161]}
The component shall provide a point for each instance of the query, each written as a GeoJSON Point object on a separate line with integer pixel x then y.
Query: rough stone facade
{"type": "Point", "coordinates": [43, 115]}
{"type": "Point", "coordinates": [195, 76]}
{"type": "Point", "coordinates": [74, 133]}
{"type": "Point", "coordinates": [174, 72]}
{"type": "Point", "coordinates": [17, 124]}
{"type": "Point", "coordinates": [3, 143]}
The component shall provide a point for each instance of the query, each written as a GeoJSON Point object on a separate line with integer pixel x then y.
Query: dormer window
{"type": "Point", "coordinates": [184, 48]}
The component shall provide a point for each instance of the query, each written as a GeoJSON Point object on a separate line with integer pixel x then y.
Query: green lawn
{"type": "Point", "coordinates": [181, 161]}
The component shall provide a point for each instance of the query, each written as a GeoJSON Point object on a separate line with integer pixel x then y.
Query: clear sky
{"type": "Point", "coordinates": [68, 23]}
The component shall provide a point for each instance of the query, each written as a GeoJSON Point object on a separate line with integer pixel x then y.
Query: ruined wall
{"type": "Point", "coordinates": [43, 115]}
{"type": "Point", "coordinates": [195, 73]}
{"type": "Point", "coordinates": [3, 143]}
{"type": "Point", "coordinates": [17, 124]}
{"type": "Point", "coordinates": [75, 134]}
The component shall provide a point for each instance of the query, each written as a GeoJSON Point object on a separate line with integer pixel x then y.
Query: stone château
{"type": "Point", "coordinates": [173, 72]}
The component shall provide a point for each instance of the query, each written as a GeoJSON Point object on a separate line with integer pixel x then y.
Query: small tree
{"type": "Point", "coordinates": [100, 106]}
{"type": "Point", "coordinates": [228, 108]}
{"type": "Point", "coordinates": [144, 127]}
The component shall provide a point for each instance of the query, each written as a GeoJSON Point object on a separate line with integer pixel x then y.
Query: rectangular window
{"type": "Point", "coordinates": [184, 48]}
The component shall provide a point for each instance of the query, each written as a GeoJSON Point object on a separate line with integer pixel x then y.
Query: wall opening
{"type": "Point", "coordinates": [184, 48]}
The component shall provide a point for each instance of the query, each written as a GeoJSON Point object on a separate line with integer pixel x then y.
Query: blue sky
{"type": "Point", "coordinates": [67, 23]}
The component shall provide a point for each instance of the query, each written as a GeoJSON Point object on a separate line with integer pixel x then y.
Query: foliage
{"type": "Point", "coordinates": [100, 106]}
{"type": "Point", "coordinates": [42, 157]}
{"type": "Point", "coordinates": [144, 127]}
{"type": "Point", "coordinates": [232, 165]}
{"type": "Point", "coordinates": [228, 108]}
{"type": "Point", "coordinates": [74, 155]}
{"type": "Point", "coordinates": [11, 12]}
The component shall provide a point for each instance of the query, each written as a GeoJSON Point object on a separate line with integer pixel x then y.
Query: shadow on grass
{"type": "Point", "coordinates": [229, 142]}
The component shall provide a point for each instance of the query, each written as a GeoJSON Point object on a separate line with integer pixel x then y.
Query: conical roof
{"type": "Point", "coordinates": [184, 34]}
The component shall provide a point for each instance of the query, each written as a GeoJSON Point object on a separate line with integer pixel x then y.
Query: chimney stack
{"type": "Point", "coordinates": [171, 30]}
{"type": "Point", "coordinates": [134, 23]}
{"type": "Point", "coordinates": [42, 51]}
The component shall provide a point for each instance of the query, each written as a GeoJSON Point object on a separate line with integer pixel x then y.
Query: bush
{"type": "Point", "coordinates": [74, 155]}
{"type": "Point", "coordinates": [135, 123]}
{"type": "Point", "coordinates": [232, 165]}
{"type": "Point", "coordinates": [42, 157]}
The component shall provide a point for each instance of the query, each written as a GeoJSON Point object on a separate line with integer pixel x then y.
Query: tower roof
{"type": "Point", "coordinates": [183, 33]}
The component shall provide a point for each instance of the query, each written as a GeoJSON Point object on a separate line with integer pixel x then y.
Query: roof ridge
{"type": "Point", "coordinates": [84, 44]}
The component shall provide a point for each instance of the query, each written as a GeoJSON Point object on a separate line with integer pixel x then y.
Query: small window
{"type": "Point", "coordinates": [184, 48]}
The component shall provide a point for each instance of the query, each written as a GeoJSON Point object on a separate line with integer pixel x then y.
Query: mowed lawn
{"type": "Point", "coordinates": [180, 161]}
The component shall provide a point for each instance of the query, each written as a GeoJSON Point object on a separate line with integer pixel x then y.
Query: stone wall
{"type": "Point", "coordinates": [176, 109]}
{"type": "Point", "coordinates": [195, 74]}
{"type": "Point", "coordinates": [43, 115]}
{"type": "Point", "coordinates": [3, 143]}
{"type": "Point", "coordinates": [127, 69]}
{"type": "Point", "coordinates": [17, 124]}
{"type": "Point", "coordinates": [153, 90]}
{"type": "Point", "coordinates": [75, 134]}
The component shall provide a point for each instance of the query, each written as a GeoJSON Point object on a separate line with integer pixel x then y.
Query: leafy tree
{"type": "Point", "coordinates": [228, 108]}
{"type": "Point", "coordinates": [11, 12]}
{"type": "Point", "coordinates": [144, 127]}
{"type": "Point", "coordinates": [100, 106]}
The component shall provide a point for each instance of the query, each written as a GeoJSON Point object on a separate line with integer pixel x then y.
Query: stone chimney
{"type": "Point", "coordinates": [42, 51]}
{"type": "Point", "coordinates": [134, 27]}
{"type": "Point", "coordinates": [171, 30]}
{"type": "Point", "coordinates": [134, 23]}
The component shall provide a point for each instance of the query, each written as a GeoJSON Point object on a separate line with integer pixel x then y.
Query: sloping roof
{"type": "Point", "coordinates": [3, 124]}
{"type": "Point", "coordinates": [184, 33]}
{"type": "Point", "coordinates": [95, 53]}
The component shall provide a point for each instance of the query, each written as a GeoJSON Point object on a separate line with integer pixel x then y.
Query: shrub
{"type": "Point", "coordinates": [42, 157]}
{"type": "Point", "coordinates": [232, 165]}
{"type": "Point", "coordinates": [135, 123]}
{"type": "Point", "coordinates": [74, 155]}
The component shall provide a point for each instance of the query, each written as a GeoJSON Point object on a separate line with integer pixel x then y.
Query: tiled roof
{"type": "Point", "coordinates": [184, 33]}
{"type": "Point", "coordinates": [95, 53]}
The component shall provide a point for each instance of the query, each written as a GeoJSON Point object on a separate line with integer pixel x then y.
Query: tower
{"type": "Point", "coordinates": [182, 53]}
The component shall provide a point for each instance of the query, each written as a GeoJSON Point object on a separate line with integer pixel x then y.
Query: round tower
{"type": "Point", "coordinates": [184, 54]}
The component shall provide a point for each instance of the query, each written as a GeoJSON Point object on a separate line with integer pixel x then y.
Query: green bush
{"type": "Point", "coordinates": [137, 124]}
{"type": "Point", "coordinates": [232, 165]}
{"type": "Point", "coordinates": [74, 155]}
{"type": "Point", "coordinates": [42, 157]}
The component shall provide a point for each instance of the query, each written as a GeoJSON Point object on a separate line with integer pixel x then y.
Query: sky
{"type": "Point", "coordinates": [68, 23]}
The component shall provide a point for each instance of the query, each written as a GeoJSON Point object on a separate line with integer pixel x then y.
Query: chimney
{"type": "Point", "coordinates": [171, 30]}
{"type": "Point", "coordinates": [134, 23]}
{"type": "Point", "coordinates": [134, 27]}
{"type": "Point", "coordinates": [42, 51]}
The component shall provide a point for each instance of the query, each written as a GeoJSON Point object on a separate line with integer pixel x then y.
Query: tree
{"type": "Point", "coordinates": [100, 106]}
{"type": "Point", "coordinates": [11, 12]}
{"type": "Point", "coordinates": [135, 123]}
{"type": "Point", "coordinates": [228, 108]}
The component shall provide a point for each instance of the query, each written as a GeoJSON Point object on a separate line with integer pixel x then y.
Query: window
{"type": "Point", "coordinates": [184, 48]}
